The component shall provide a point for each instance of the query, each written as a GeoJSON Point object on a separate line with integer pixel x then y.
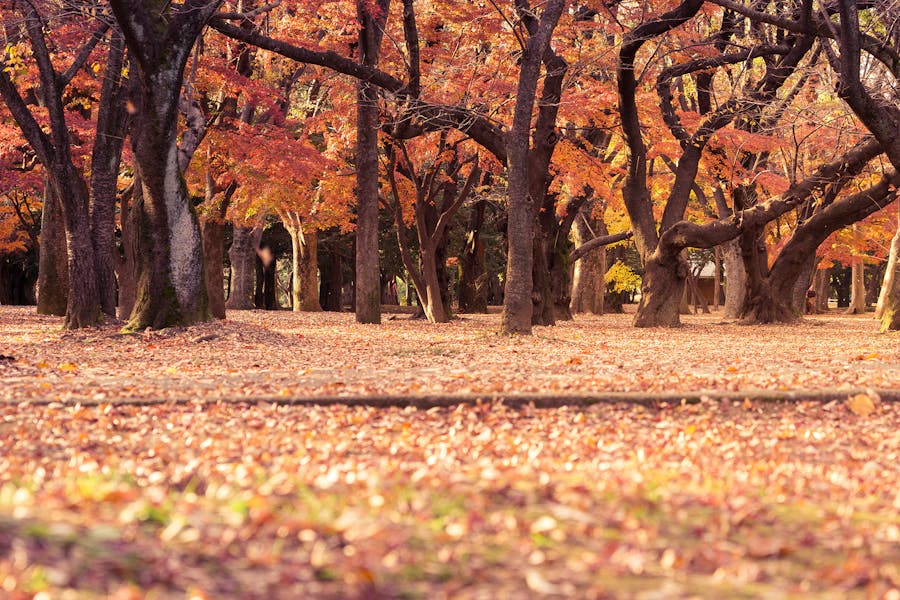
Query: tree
{"type": "Point", "coordinates": [65, 182]}
{"type": "Point", "coordinates": [160, 37]}
{"type": "Point", "coordinates": [517, 302]}
{"type": "Point", "coordinates": [438, 192]}
{"type": "Point", "coordinates": [372, 17]}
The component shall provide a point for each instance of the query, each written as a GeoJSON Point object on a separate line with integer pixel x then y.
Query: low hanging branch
{"type": "Point", "coordinates": [599, 242]}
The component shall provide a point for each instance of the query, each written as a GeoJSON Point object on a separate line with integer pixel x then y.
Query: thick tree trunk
{"type": "Point", "coordinates": [888, 309]}
{"type": "Point", "coordinates": [518, 302]}
{"type": "Point", "coordinates": [802, 284]}
{"type": "Point", "coordinates": [242, 256]}
{"type": "Point", "coordinates": [661, 291]}
{"type": "Point", "coordinates": [170, 286]}
{"type": "Point", "coordinates": [83, 306]}
{"type": "Point", "coordinates": [588, 275]}
{"type": "Point", "coordinates": [857, 288]}
{"type": "Point", "coordinates": [735, 279]}
{"type": "Point", "coordinates": [367, 280]}
{"type": "Point", "coordinates": [762, 304]}
{"type": "Point", "coordinates": [305, 263]}
{"type": "Point", "coordinates": [53, 275]}
{"type": "Point", "coordinates": [473, 282]}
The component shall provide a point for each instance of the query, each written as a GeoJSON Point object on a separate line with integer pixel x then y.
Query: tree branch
{"type": "Point", "coordinates": [598, 242]}
{"type": "Point", "coordinates": [83, 55]}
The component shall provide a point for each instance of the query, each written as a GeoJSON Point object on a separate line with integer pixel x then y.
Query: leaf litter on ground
{"type": "Point", "coordinates": [255, 500]}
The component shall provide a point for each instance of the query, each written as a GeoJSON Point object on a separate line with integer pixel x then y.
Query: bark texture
{"type": "Point", "coordinates": [735, 279]}
{"type": "Point", "coordinates": [857, 288]}
{"type": "Point", "coordinates": [305, 264]}
{"type": "Point", "coordinates": [170, 284]}
{"type": "Point", "coordinates": [367, 283]}
{"type": "Point", "coordinates": [518, 301]}
{"type": "Point", "coordinates": [105, 160]}
{"type": "Point", "coordinates": [53, 276]}
{"type": "Point", "coordinates": [888, 309]}
{"type": "Point", "coordinates": [588, 278]}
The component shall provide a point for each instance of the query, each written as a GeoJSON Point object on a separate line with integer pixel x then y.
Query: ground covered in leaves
{"type": "Point", "coordinates": [295, 355]}
{"type": "Point", "coordinates": [246, 498]}
{"type": "Point", "coordinates": [720, 500]}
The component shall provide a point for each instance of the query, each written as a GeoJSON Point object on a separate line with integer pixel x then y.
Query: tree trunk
{"type": "Point", "coordinates": [83, 302]}
{"type": "Point", "coordinates": [367, 280]}
{"type": "Point", "coordinates": [735, 279]}
{"type": "Point", "coordinates": [473, 282]}
{"type": "Point", "coordinates": [213, 264]}
{"type": "Point", "coordinates": [305, 263]}
{"type": "Point", "coordinates": [517, 302]}
{"type": "Point", "coordinates": [857, 288]}
{"type": "Point", "coordinates": [661, 291]}
{"type": "Point", "coordinates": [242, 256]}
{"type": "Point", "coordinates": [431, 299]}
{"type": "Point", "coordinates": [213, 233]}
{"type": "Point", "coordinates": [802, 285]}
{"type": "Point", "coordinates": [822, 282]}
{"type": "Point", "coordinates": [368, 298]}
{"type": "Point", "coordinates": [103, 230]}
{"type": "Point", "coordinates": [542, 312]}
{"type": "Point", "coordinates": [53, 276]}
{"type": "Point", "coordinates": [588, 277]}
{"type": "Point", "coordinates": [762, 304]}
{"type": "Point", "coordinates": [561, 278]}
{"type": "Point", "coordinates": [873, 282]}
{"type": "Point", "coordinates": [105, 160]}
{"type": "Point", "coordinates": [888, 309]}
{"type": "Point", "coordinates": [170, 286]}
{"type": "Point", "coordinates": [684, 308]}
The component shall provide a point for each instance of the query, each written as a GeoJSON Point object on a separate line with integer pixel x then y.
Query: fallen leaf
{"type": "Point", "coordinates": [861, 405]}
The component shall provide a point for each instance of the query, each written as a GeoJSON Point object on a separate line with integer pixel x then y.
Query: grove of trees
{"type": "Point", "coordinates": [553, 156]}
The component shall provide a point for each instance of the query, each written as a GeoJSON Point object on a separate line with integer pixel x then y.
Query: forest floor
{"type": "Point", "coordinates": [731, 496]}
{"type": "Point", "coordinates": [283, 355]}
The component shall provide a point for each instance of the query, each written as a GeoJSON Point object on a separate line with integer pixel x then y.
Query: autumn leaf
{"type": "Point", "coordinates": [861, 405]}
